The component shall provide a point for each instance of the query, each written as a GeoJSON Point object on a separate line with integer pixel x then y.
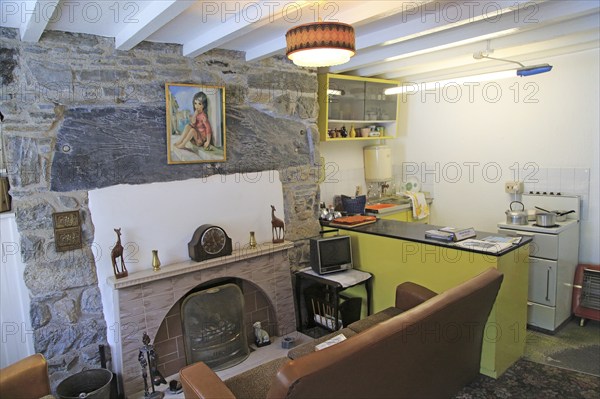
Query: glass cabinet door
{"type": "Point", "coordinates": [378, 105]}
{"type": "Point", "coordinates": [346, 99]}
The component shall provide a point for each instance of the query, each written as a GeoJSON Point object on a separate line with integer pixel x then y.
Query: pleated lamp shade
{"type": "Point", "coordinates": [320, 44]}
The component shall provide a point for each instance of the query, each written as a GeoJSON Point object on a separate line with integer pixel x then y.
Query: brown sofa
{"type": "Point", "coordinates": [429, 347]}
{"type": "Point", "coordinates": [27, 378]}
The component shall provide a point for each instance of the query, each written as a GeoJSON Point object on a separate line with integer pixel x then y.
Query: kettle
{"type": "Point", "coordinates": [515, 216]}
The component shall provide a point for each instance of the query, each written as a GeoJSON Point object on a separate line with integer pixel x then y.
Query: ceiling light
{"type": "Point", "coordinates": [320, 44]}
{"type": "Point", "coordinates": [534, 70]}
{"type": "Point", "coordinates": [511, 73]}
{"type": "Point", "coordinates": [523, 71]}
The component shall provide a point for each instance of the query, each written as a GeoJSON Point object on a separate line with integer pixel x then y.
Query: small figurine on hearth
{"type": "Point", "coordinates": [261, 337]}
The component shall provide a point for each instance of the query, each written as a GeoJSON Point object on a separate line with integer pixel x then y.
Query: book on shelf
{"type": "Point", "coordinates": [451, 233]}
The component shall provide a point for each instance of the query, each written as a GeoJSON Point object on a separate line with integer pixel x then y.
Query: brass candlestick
{"type": "Point", "coordinates": [252, 240]}
{"type": "Point", "coordinates": [155, 260]}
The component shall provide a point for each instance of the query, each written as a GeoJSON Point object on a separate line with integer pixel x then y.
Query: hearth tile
{"type": "Point", "coordinates": [131, 308]}
{"type": "Point", "coordinates": [250, 301]}
{"type": "Point", "coordinates": [163, 333]}
{"type": "Point", "coordinates": [261, 301]}
{"type": "Point", "coordinates": [157, 287]}
{"type": "Point", "coordinates": [262, 274]}
{"type": "Point", "coordinates": [213, 273]}
{"type": "Point", "coordinates": [166, 348]}
{"type": "Point", "coordinates": [174, 311]}
{"type": "Point", "coordinates": [260, 315]}
{"type": "Point", "coordinates": [133, 325]}
{"type": "Point", "coordinates": [163, 301]}
{"type": "Point", "coordinates": [174, 366]}
{"type": "Point", "coordinates": [130, 294]}
{"type": "Point", "coordinates": [242, 269]}
{"type": "Point", "coordinates": [174, 325]}
{"type": "Point", "coordinates": [185, 282]}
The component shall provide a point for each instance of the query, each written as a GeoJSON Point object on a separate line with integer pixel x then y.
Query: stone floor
{"type": "Point", "coordinates": [572, 347]}
{"type": "Point", "coordinates": [257, 356]}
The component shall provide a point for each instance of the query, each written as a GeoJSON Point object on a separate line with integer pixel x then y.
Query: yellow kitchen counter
{"type": "Point", "coordinates": [395, 252]}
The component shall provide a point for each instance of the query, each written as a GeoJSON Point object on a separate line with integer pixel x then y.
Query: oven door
{"type": "Point", "coordinates": [542, 281]}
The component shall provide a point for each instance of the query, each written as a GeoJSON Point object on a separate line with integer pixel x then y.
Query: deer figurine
{"type": "Point", "coordinates": [117, 252]}
{"type": "Point", "coordinates": [278, 227]}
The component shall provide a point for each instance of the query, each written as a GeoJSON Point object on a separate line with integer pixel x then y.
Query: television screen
{"type": "Point", "coordinates": [335, 251]}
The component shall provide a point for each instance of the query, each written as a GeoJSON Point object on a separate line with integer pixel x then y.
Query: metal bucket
{"type": "Point", "coordinates": [93, 384]}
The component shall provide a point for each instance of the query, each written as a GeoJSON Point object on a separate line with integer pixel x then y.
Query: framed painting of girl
{"type": "Point", "coordinates": [195, 123]}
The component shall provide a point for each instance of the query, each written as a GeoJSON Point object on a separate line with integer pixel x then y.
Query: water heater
{"type": "Point", "coordinates": [378, 163]}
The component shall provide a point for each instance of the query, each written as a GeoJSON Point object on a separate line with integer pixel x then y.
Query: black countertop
{"type": "Point", "coordinates": [416, 232]}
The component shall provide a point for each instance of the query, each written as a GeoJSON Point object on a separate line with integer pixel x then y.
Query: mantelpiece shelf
{"type": "Point", "coordinates": [176, 269]}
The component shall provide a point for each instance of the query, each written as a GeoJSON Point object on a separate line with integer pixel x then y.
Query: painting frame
{"type": "Point", "coordinates": [196, 128]}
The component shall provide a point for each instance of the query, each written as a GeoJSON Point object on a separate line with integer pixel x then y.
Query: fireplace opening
{"type": "Point", "coordinates": [213, 326]}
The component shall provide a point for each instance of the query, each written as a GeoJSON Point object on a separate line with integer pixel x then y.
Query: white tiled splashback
{"type": "Point", "coordinates": [568, 181]}
{"type": "Point", "coordinates": [574, 181]}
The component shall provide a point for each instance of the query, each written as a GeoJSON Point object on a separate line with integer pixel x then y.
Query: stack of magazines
{"type": "Point", "coordinates": [451, 233]}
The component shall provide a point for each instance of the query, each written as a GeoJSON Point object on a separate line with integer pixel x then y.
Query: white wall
{"type": "Point", "coordinates": [544, 129]}
{"type": "Point", "coordinates": [17, 334]}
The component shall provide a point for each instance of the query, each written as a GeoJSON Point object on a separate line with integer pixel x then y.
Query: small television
{"type": "Point", "coordinates": [330, 254]}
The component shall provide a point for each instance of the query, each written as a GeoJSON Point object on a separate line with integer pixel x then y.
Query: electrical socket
{"type": "Point", "coordinates": [513, 187]}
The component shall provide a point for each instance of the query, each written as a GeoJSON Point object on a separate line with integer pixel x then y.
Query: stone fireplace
{"type": "Point", "coordinates": [145, 300]}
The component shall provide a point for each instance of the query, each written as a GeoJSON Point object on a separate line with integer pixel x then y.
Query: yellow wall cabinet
{"type": "Point", "coordinates": [356, 102]}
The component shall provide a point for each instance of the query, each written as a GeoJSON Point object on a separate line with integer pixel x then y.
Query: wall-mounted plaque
{"type": "Point", "coordinates": [67, 230]}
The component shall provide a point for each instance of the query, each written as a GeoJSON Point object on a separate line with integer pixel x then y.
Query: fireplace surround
{"type": "Point", "coordinates": [143, 299]}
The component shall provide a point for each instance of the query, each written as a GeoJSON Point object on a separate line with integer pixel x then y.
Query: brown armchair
{"type": "Point", "coordinates": [27, 378]}
{"type": "Point", "coordinates": [404, 355]}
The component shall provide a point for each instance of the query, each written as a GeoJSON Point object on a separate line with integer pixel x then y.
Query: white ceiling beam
{"type": "Point", "coordinates": [529, 17]}
{"type": "Point", "coordinates": [431, 18]}
{"type": "Point", "coordinates": [151, 18]}
{"type": "Point", "coordinates": [475, 32]}
{"type": "Point", "coordinates": [37, 14]}
{"type": "Point", "coordinates": [349, 12]}
{"type": "Point", "coordinates": [239, 25]}
{"type": "Point", "coordinates": [525, 54]}
{"type": "Point", "coordinates": [567, 32]}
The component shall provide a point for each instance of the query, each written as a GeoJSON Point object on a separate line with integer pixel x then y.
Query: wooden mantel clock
{"type": "Point", "coordinates": [209, 241]}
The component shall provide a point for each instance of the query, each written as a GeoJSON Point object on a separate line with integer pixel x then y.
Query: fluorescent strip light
{"type": "Point", "coordinates": [534, 70]}
{"type": "Point", "coordinates": [413, 87]}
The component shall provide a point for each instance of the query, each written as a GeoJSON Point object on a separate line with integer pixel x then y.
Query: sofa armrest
{"type": "Point", "coordinates": [409, 295]}
{"type": "Point", "coordinates": [27, 378]}
{"type": "Point", "coordinates": [200, 382]}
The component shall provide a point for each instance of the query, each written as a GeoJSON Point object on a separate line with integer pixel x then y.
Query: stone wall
{"type": "Point", "coordinates": [82, 115]}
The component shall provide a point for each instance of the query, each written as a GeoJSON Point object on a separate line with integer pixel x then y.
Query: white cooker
{"type": "Point", "coordinates": [553, 257]}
